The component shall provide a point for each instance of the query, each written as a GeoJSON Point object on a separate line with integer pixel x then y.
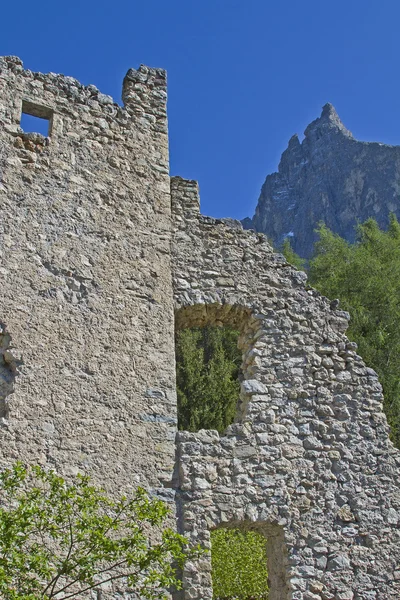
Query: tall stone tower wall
{"type": "Point", "coordinates": [85, 278]}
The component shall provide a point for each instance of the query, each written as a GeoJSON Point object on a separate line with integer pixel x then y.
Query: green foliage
{"type": "Point", "coordinates": [208, 362]}
{"type": "Point", "coordinates": [365, 276]}
{"type": "Point", "coordinates": [59, 540]}
{"type": "Point", "coordinates": [294, 259]}
{"type": "Point", "coordinates": [239, 565]}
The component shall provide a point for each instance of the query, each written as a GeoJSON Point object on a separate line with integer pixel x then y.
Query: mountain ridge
{"type": "Point", "coordinates": [329, 176]}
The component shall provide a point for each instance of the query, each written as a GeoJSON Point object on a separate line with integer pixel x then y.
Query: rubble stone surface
{"type": "Point", "coordinates": [308, 462]}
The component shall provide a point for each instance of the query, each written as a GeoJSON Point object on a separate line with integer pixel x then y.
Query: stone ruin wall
{"type": "Point", "coordinates": [86, 280]}
{"type": "Point", "coordinates": [89, 248]}
{"type": "Point", "coordinates": [308, 461]}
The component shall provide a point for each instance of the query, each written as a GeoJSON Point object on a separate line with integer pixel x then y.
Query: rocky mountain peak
{"type": "Point", "coordinates": [331, 177]}
{"type": "Point", "coordinates": [328, 123]}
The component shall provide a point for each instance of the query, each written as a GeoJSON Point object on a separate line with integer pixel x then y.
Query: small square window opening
{"type": "Point", "coordinates": [36, 119]}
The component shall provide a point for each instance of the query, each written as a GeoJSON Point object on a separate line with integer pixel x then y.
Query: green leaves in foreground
{"type": "Point", "coordinates": [59, 539]}
{"type": "Point", "coordinates": [239, 565]}
{"type": "Point", "coordinates": [207, 368]}
{"type": "Point", "coordinates": [365, 276]}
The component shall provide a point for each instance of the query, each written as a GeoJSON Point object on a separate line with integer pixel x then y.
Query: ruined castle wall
{"type": "Point", "coordinates": [308, 462]}
{"type": "Point", "coordinates": [87, 358]}
{"type": "Point", "coordinates": [86, 297]}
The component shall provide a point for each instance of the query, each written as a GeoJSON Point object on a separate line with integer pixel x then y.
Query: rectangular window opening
{"type": "Point", "coordinates": [36, 118]}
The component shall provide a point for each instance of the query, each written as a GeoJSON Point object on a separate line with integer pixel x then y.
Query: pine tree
{"type": "Point", "coordinates": [208, 363]}
{"type": "Point", "coordinates": [294, 259]}
{"type": "Point", "coordinates": [365, 276]}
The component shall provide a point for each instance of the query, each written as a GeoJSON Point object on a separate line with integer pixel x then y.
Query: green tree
{"type": "Point", "coordinates": [239, 565]}
{"type": "Point", "coordinates": [60, 540]}
{"type": "Point", "coordinates": [365, 276]}
{"type": "Point", "coordinates": [294, 259]}
{"type": "Point", "coordinates": [208, 362]}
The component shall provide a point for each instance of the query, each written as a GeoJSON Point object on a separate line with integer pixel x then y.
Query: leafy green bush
{"type": "Point", "coordinates": [207, 370]}
{"type": "Point", "coordinates": [239, 565]}
{"type": "Point", "coordinates": [60, 540]}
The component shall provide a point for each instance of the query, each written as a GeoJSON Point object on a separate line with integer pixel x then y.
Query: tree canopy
{"type": "Point", "coordinates": [291, 256]}
{"type": "Point", "coordinates": [60, 540]}
{"type": "Point", "coordinates": [239, 564]}
{"type": "Point", "coordinates": [208, 362]}
{"type": "Point", "coordinates": [365, 276]}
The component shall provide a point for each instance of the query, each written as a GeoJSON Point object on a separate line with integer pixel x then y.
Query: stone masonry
{"type": "Point", "coordinates": [99, 248]}
{"type": "Point", "coordinates": [86, 279]}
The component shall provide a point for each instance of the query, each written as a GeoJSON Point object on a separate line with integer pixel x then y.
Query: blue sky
{"type": "Point", "coordinates": [244, 75]}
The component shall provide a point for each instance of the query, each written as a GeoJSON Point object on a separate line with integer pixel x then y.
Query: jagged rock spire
{"type": "Point", "coordinates": [328, 122]}
{"type": "Point", "coordinates": [331, 177]}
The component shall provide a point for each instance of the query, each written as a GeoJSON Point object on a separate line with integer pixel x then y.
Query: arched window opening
{"type": "Point", "coordinates": [239, 564]}
{"type": "Point", "coordinates": [208, 364]}
{"type": "Point", "coordinates": [208, 382]}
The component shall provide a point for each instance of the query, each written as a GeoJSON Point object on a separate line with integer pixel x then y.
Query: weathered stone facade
{"type": "Point", "coordinates": [98, 250]}
{"type": "Point", "coordinates": [309, 461]}
{"type": "Point", "coordinates": [86, 283]}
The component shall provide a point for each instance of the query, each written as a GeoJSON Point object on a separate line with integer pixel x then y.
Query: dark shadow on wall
{"type": "Point", "coordinates": [9, 366]}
